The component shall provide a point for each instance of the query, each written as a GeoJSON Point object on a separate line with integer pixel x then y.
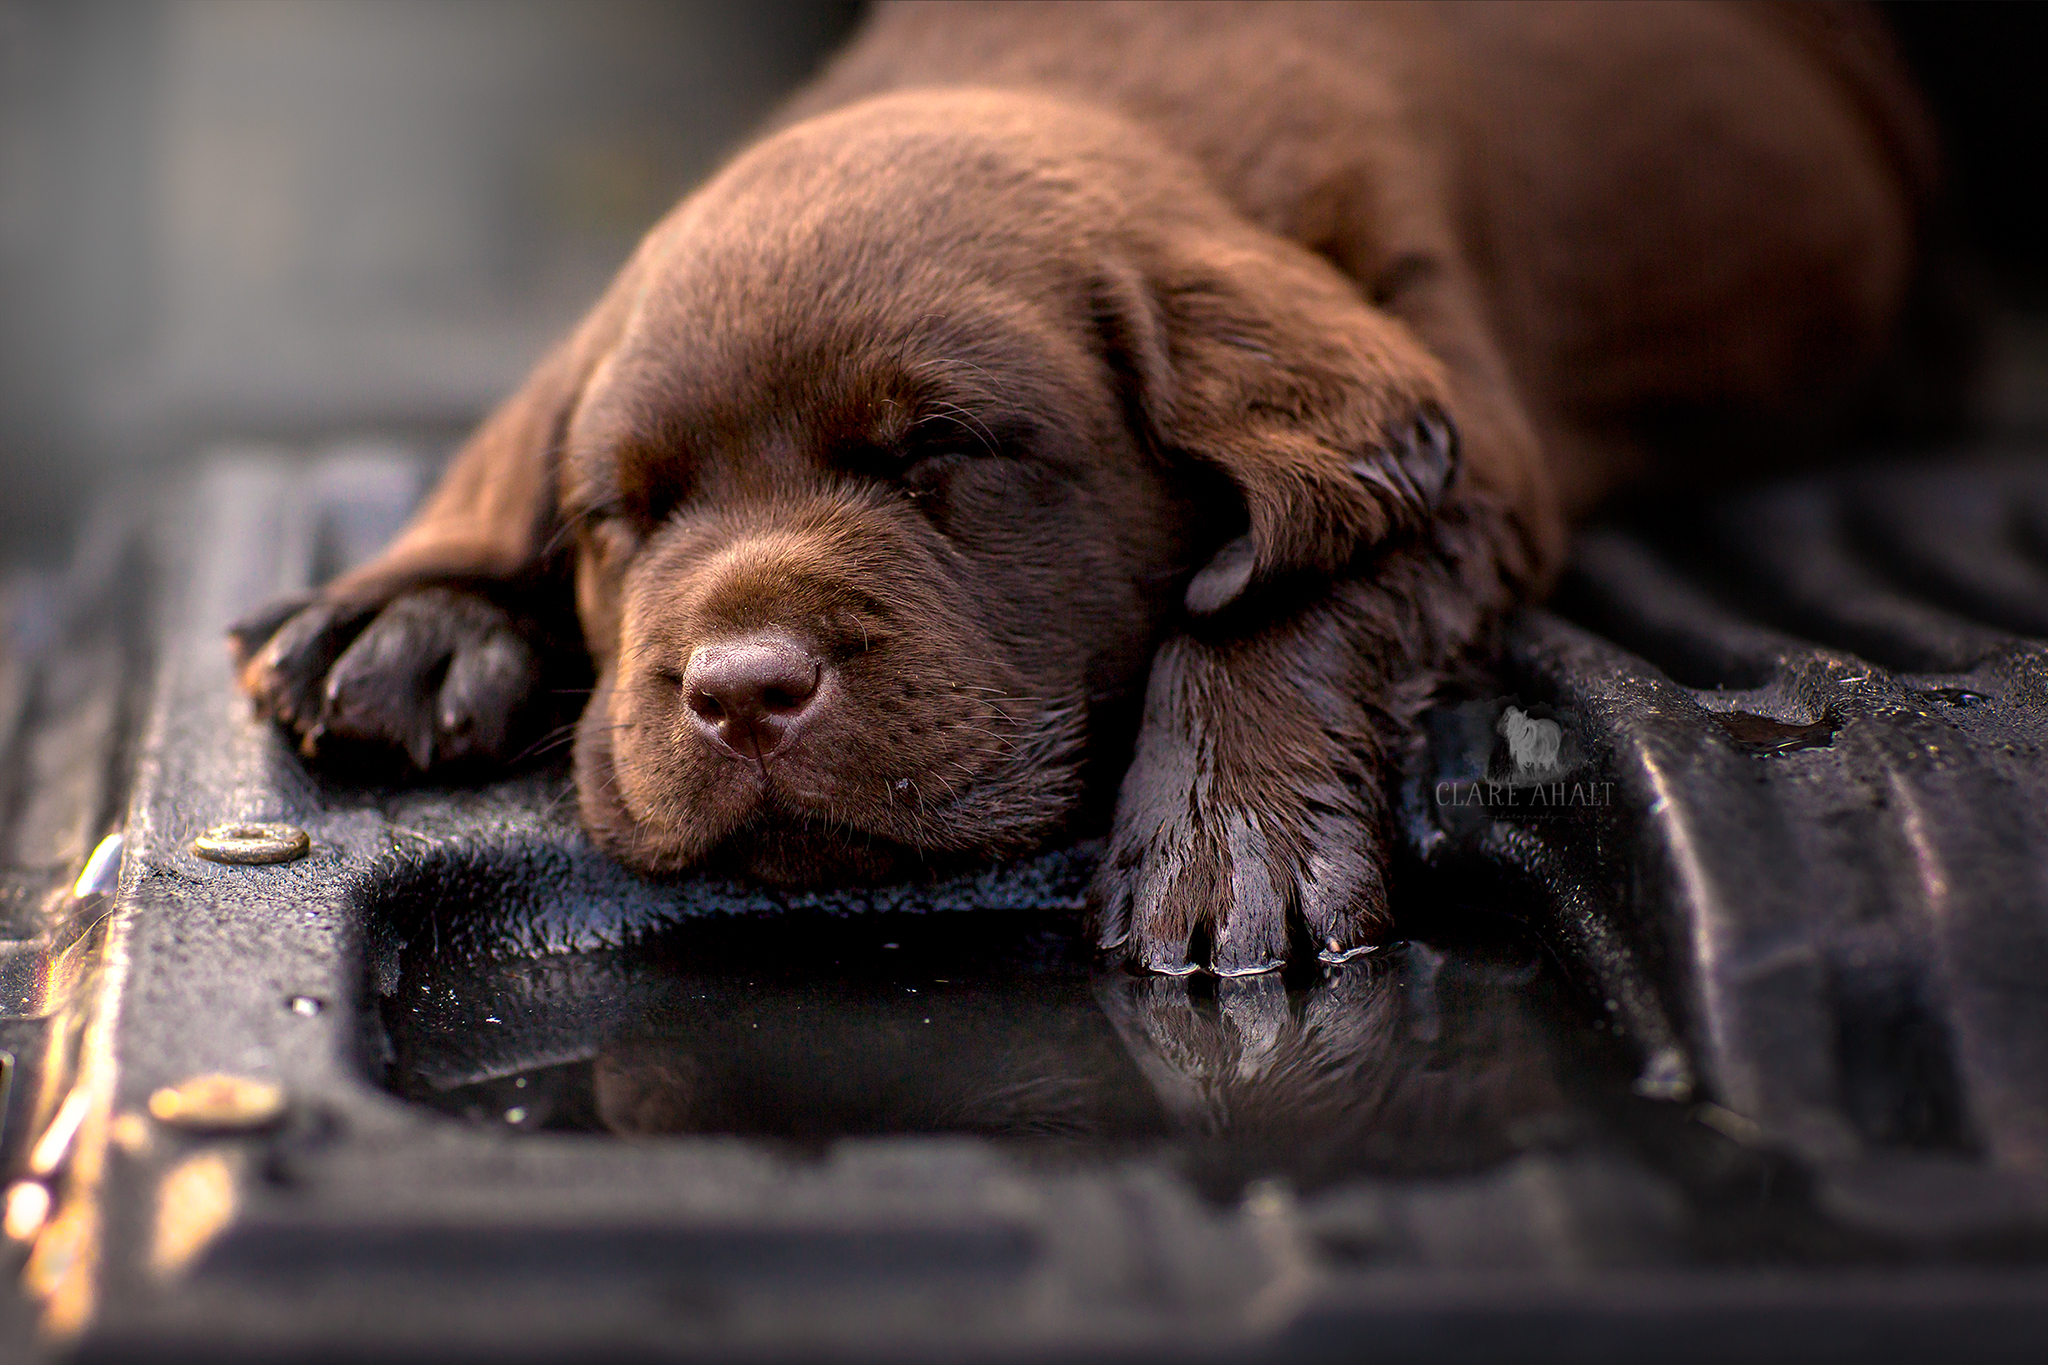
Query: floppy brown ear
{"type": "Point", "coordinates": [439, 648]}
{"type": "Point", "coordinates": [1254, 812]}
{"type": "Point", "coordinates": [494, 517]}
{"type": "Point", "coordinates": [1258, 359]}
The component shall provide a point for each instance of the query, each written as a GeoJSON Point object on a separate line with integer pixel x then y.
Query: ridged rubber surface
{"type": "Point", "coordinates": [1818, 933]}
{"type": "Point", "coordinates": [1849, 940]}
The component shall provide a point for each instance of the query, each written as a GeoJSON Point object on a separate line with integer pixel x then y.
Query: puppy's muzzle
{"type": "Point", "coordinates": [751, 696]}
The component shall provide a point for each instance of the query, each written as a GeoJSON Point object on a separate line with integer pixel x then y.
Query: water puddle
{"type": "Point", "coordinates": [1951, 696]}
{"type": "Point", "coordinates": [1762, 735]}
{"type": "Point", "coordinates": [1436, 1057]}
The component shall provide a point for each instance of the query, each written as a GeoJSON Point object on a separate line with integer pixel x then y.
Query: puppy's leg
{"type": "Point", "coordinates": [1255, 813]}
{"type": "Point", "coordinates": [435, 653]}
{"type": "Point", "coordinates": [416, 658]}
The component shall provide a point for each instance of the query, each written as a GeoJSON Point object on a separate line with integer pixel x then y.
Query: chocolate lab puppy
{"type": "Point", "coordinates": [1147, 404]}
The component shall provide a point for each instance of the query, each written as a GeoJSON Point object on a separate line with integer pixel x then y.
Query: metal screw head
{"type": "Point", "coordinates": [218, 1103]}
{"type": "Point", "coordinates": [248, 842]}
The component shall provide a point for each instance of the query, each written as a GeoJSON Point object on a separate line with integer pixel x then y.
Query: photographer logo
{"type": "Point", "coordinates": [1533, 743]}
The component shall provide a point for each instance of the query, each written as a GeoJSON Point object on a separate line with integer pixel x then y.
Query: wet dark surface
{"type": "Point", "coordinates": [1427, 1058]}
{"type": "Point", "coordinates": [1443, 1067]}
{"type": "Point", "coordinates": [1762, 735]}
{"type": "Point", "coordinates": [1951, 696]}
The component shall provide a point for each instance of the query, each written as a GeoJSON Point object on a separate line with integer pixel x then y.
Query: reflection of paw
{"type": "Point", "coordinates": [1239, 834]}
{"type": "Point", "coordinates": [1418, 1061]}
{"type": "Point", "coordinates": [439, 676]}
{"type": "Point", "coordinates": [1256, 1053]}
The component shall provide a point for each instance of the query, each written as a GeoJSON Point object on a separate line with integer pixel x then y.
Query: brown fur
{"type": "Point", "coordinates": [1076, 386]}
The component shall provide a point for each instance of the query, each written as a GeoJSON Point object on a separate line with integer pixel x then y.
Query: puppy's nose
{"type": "Point", "coordinates": [749, 693]}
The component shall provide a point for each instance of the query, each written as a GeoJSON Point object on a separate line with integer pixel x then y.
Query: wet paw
{"type": "Point", "coordinates": [1240, 891]}
{"type": "Point", "coordinates": [1238, 847]}
{"type": "Point", "coordinates": [1417, 466]}
{"type": "Point", "coordinates": [437, 677]}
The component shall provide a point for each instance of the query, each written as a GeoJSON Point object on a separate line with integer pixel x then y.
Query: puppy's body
{"type": "Point", "coordinates": [1647, 211]}
{"type": "Point", "coordinates": [1047, 359]}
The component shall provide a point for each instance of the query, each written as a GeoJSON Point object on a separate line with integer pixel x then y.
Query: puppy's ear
{"type": "Point", "coordinates": [437, 648]}
{"type": "Point", "coordinates": [1260, 360]}
{"type": "Point", "coordinates": [495, 516]}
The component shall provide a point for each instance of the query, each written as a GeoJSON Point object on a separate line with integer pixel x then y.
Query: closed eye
{"type": "Point", "coordinates": [922, 476]}
{"type": "Point", "coordinates": [609, 531]}
{"type": "Point", "coordinates": [915, 467]}
{"type": "Point", "coordinates": [946, 439]}
{"type": "Point", "coordinates": [622, 516]}
{"type": "Point", "coordinates": [965, 426]}
{"type": "Point", "coordinates": [589, 517]}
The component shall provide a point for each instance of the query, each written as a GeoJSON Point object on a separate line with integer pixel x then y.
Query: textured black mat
{"type": "Point", "coordinates": [1719, 1026]}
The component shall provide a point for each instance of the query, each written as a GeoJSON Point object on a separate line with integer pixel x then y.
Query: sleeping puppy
{"type": "Point", "coordinates": [1127, 412]}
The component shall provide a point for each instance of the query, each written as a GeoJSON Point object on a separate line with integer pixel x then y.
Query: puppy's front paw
{"type": "Point", "coordinates": [1246, 832]}
{"type": "Point", "coordinates": [1236, 888]}
{"type": "Point", "coordinates": [437, 676]}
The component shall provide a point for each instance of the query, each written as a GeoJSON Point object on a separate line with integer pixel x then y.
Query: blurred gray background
{"type": "Point", "coordinates": [301, 220]}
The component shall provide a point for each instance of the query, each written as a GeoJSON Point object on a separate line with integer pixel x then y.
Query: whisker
{"type": "Point", "coordinates": [559, 538]}
{"type": "Point", "coordinates": [568, 791]}
{"type": "Point", "coordinates": [542, 746]}
{"type": "Point", "coordinates": [547, 741]}
{"type": "Point", "coordinates": [972, 425]}
{"type": "Point", "coordinates": [949, 363]}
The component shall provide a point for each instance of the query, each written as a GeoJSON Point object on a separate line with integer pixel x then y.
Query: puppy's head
{"type": "Point", "coordinates": [898, 446]}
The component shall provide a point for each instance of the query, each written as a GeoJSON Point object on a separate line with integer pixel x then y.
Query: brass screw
{"type": "Point", "coordinates": [246, 842]}
{"type": "Point", "coordinates": [218, 1103]}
